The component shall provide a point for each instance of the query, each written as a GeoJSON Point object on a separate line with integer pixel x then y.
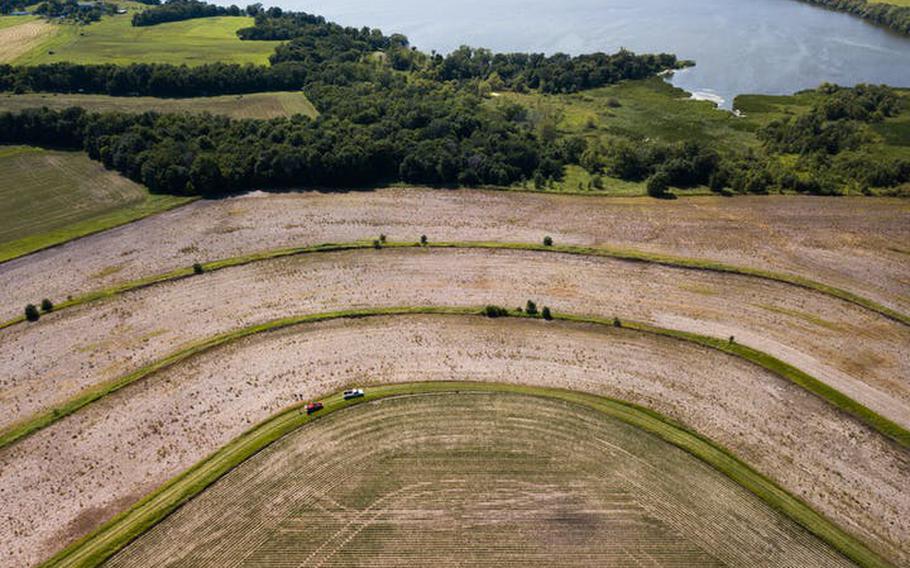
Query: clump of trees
{"type": "Point", "coordinates": [177, 10]}
{"type": "Point", "coordinates": [73, 11]}
{"type": "Point", "coordinates": [32, 313]}
{"type": "Point", "coordinates": [493, 311]}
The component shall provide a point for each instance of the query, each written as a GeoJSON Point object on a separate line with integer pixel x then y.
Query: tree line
{"type": "Point", "coordinates": [73, 11]}
{"type": "Point", "coordinates": [895, 17]}
{"type": "Point", "coordinates": [177, 10]}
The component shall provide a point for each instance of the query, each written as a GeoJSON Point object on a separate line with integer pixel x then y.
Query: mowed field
{"type": "Point", "coordinates": [255, 105]}
{"type": "Point", "coordinates": [470, 480]}
{"type": "Point", "coordinates": [51, 196]}
{"type": "Point", "coordinates": [21, 34]}
{"type": "Point", "coordinates": [114, 40]}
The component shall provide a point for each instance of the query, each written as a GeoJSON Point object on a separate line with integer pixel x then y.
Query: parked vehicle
{"type": "Point", "coordinates": [353, 393]}
{"type": "Point", "coordinates": [313, 407]}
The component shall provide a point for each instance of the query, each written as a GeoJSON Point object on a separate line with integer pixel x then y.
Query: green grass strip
{"type": "Point", "coordinates": [102, 543]}
{"type": "Point", "coordinates": [621, 254]}
{"type": "Point", "coordinates": [41, 420]}
{"type": "Point", "coordinates": [152, 205]}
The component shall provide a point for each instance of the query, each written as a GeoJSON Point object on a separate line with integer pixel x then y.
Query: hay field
{"type": "Point", "coordinates": [470, 480]}
{"type": "Point", "coordinates": [52, 196]}
{"type": "Point", "coordinates": [255, 105]}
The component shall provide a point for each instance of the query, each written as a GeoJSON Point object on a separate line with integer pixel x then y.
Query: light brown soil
{"type": "Point", "coordinates": [58, 483]}
{"type": "Point", "coordinates": [475, 480]}
{"type": "Point", "coordinates": [856, 351]}
{"type": "Point", "coordinates": [859, 244]}
{"type": "Point", "coordinates": [16, 40]}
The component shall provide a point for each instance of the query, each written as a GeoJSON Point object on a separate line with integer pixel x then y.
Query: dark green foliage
{"type": "Point", "coordinates": [198, 268]}
{"type": "Point", "coordinates": [531, 308]}
{"type": "Point", "coordinates": [73, 11]}
{"type": "Point", "coordinates": [616, 322]}
{"type": "Point", "coordinates": [659, 185]}
{"type": "Point", "coordinates": [548, 241]}
{"type": "Point", "coordinates": [32, 313]}
{"type": "Point", "coordinates": [177, 10]}
{"type": "Point", "coordinates": [47, 306]}
{"type": "Point", "coordinates": [545, 314]}
{"type": "Point", "coordinates": [895, 17]}
{"type": "Point", "coordinates": [423, 240]}
{"type": "Point", "coordinates": [382, 238]}
{"type": "Point", "coordinates": [377, 244]}
{"type": "Point", "coordinates": [492, 311]}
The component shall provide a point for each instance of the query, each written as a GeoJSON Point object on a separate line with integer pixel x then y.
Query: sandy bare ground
{"type": "Point", "coordinates": [16, 40]}
{"type": "Point", "coordinates": [857, 244]}
{"type": "Point", "coordinates": [495, 479]}
{"type": "Point", "coordinates": [65, 480]}
{"type": "Point", "coordinates": [856, 351]}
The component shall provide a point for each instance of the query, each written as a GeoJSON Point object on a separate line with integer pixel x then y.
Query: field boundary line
{"type": "Point", "coordinates": [101, 544]}
{"type": "Point", "coordinates": [604, 252]}
{"type": "Point", "coordinates": [829, 394]}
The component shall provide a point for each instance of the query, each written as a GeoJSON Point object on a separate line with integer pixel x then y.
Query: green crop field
{"type": "Point", "coordinates": [256, 105]}
{"type": "Point", "coordinates": [114, 40]}
{"type": "Point", "coordinates": [50, 197]}
{"type": "Point", "coordinates": [454, 479]}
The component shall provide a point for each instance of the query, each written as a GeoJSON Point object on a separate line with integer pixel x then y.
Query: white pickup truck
{"type": "Point", "coordinates": [353, 393]}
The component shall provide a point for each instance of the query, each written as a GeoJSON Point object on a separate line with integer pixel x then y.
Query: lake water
{"type": "Point", "coordinates": [740, 46]}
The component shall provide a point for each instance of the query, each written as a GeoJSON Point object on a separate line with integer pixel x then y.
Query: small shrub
{"type": "Point", "coordinates": [382, 239]}
{"type": "Point", "coordinates": [613, 102]}
{"type": "Point", "coordinates": [198, 269]}
{"type": "Point", "coordinates": [492, 311]}
{"type": "Point", "coordinates": [531, 308]}
{"type": "Point", "coordinates": [546, 313]}
{"type": "Point", "coordinates": [377, 244]}
{"type": "Point", "coordinates": [548, 241]}
{"type": "Point", "coordinates": [732, 340]}
{"type": "Point", "coordinates": [616, 322]}
{"type": "Point", "coordinates": [659, 186]}
{"type": "Point", "coordinates": [423, 240]}
{"type": "Point", "coordinates": [47, 306]}
{"type": "Point", "coordinates": [32, 313]}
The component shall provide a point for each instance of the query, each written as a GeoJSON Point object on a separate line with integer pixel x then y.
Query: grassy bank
{"type": "Point", "coordinates": [102, 543]}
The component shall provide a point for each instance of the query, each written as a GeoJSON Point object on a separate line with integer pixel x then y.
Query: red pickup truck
{"type": "Point", "coordinates": [313, 407]}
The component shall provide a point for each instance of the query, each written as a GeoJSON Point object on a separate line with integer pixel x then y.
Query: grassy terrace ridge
{"type": "Point", "coordinates": [609, 252]}
{"type": "Point", "coordinates": [41, 420]}
{"type": "Point", "coordinates": [99, 545]}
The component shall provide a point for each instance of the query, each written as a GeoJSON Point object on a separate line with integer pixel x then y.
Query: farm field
{"type": "Point", "coordinates": [52, 196]}
{"type": "Point", "coordinates": [856, 244]}
{"type": "Point", "coordinates": [21, 34]}
{"type": "Point", "coordinates": [857, 351]}
{"type": "Point", "coordinates": [463, 479]}
{"type": "Point", "coordinates": [114, 40]}
{"type": "Point", "coordinates": [136, 438]}
{"type": "Point", "coordinates": [256, 105]}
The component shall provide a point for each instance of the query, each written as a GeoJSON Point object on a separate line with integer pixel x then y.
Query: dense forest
{"type": "Point", "coordinates": [895, 17]}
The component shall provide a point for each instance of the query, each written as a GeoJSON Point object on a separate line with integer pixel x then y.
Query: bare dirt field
{"type": "Point", "coordinates": [857, 351]}
{"type": "Point", "coordinates": [855, 243]}
{"type": "Point", "coordinates": [21, 38]}
{"type": "Point", "coordinates": [63, 481]}
{"type": "Point", "coordinates": [475, 480]}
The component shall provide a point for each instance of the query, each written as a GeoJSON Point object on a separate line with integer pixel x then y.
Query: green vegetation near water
{"type": "Point", "coordinates": [96, 547]}
{"type": "Point", "coordinates": [51, 197]}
